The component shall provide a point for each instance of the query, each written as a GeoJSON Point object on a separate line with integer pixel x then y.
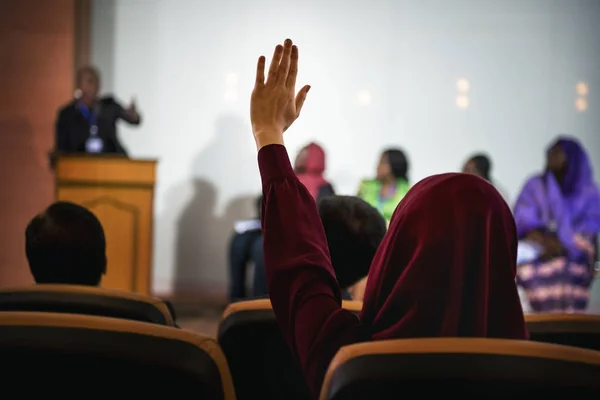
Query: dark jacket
{"type": "Point", "coordinates": [73, 130]}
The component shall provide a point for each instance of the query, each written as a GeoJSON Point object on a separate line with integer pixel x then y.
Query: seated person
{"type": "Point", "coordinates": [444, 269]}
{"type": "Point", "coordinates": [478, 165]}
{"type": "Point", "coordinates": [558, 220]}
{"type": "Point", "coordinates": [65, 244]}
{"type": "Point", "coordinates": [309, 167]}
{"type": "Point", "coordinates": [247, 244]}
{"type": "Point", "coordinates": [389, 186]}
{"type": "Point", "coordinates": [354, 231]}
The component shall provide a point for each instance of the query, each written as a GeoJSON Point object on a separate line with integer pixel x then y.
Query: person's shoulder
{"type": "Point", "coordinates": [533, 183]}
{"type": "Point", "coordinates": [369, 182]}
{"type": "Point", "coordinates": [108, 101]}
{"type": "Point", "coordinates": [66, 109]}
{"type": "Point", "coordinates": [534, 180]}
{"type": "Point", "coordinates": [326, 186]}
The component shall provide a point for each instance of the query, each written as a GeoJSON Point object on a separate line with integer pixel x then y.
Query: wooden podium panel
{"type": "Point", "coordinates": [120, 192]}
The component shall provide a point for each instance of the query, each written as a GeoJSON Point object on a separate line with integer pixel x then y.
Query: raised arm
{"type": "Point", "coordinates": [304, 293]}
{"type": "Point", "coordinates": [130, 114]}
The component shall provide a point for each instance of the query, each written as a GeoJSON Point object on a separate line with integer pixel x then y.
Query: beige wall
{"type": "Point", "coordinates": [36, 78]}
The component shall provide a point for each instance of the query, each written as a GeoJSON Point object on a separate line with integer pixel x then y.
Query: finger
{"type": "Point", "coordinates": [260, 71]}
{"type": "Point", "coordinates": [284, 66]}
{"type": "Point", "coordinates": [291, 79]}
{"type": "Point", "coordinates": [300, 98]}
{"type": "Point", "coordinates": [274, 67]}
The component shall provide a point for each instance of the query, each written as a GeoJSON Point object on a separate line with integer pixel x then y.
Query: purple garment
{"type": "Point", "coordinates": [568, 209]}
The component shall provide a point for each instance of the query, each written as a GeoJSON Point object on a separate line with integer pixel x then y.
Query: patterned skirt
{"type": "Point", "coordinates": [556, 286]}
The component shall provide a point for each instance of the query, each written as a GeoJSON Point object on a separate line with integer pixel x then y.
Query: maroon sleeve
{"type": "Point", "coordinates": [305, 295]}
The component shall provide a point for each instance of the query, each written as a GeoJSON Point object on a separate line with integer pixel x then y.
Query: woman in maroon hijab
{"type": "Point", "coordinates": [445, 268]}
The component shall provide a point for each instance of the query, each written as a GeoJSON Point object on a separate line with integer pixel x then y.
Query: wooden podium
{"type": "Point", "coordinates": [120, 192]}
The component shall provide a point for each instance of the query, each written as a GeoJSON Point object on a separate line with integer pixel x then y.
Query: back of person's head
{"type": "Point", "coordinates": [354, 231]}
{"type": "Point", "coordinates": [398, 163]}
{"type": "Point", "coordinates": [447, 265]}
{"type": "Point", "coordinates": [481, 165]}
{"type": "Point", "coordinates": [66, 245]}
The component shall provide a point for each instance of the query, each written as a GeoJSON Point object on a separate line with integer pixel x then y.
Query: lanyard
{"type": "Point", "coordinates": [90, 117]}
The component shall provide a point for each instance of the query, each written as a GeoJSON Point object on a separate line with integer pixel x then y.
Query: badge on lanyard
{"type": "Point", "coordinates": [94, 145]}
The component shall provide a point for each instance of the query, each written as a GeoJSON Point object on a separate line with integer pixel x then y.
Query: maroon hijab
{"type": "Point", "coordinates": [447, 265]}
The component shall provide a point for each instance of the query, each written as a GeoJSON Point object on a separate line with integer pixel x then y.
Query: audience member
{"type": "Point", "coordinates": [446, 267]}
{"type": "Point", "coordinates": [354, 231]}
{"type": "Point", "coordinates": [66, 244]}
{"type": "Point", "coordinates": [558, 219]}
{"type": "Point", "coordinates": [389, 186]}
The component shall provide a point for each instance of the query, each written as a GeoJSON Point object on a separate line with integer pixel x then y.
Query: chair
{"type": "Point", "coordinates": [580, 330]}
{"type": "Point", "coordinates": [261, 364]}
{"type": "Point", "coordinates": [78, 355]}
{"type": "Point", "coordinates": [462, 368]}
{"type": "Point", "coordinates": [86, 300]}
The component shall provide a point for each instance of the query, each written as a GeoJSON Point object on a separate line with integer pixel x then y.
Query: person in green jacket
{"type": "Point", "coordinates": [390, 185]}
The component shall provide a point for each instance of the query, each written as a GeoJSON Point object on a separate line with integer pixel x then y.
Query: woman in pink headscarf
{"type": "Point", "coordinates": [310, 167]}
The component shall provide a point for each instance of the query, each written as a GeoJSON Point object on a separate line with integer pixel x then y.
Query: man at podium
{"type": "Point", "coordinates": [88, 124]}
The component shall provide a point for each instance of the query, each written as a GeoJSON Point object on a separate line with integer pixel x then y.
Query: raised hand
{"type": "Point", "coordinates": [274, 104]}
{"type": "Point", "coordinates": [131, 109]}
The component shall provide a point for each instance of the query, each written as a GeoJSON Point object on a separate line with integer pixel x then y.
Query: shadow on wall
{"type": "Point", "coordinates": [222, 171]}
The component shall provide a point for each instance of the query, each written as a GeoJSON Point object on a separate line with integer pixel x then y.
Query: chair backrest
{"type": "Point", "coordinates": [580, 330]}
{"type": "Point", "coordinates": [88, 300]}
{"type": "Point", "coordinates": [261, 364]}
{"type": "Point", "coordinates": [462, 368]}
{"type": "Point", "coordinates": [68, 354]}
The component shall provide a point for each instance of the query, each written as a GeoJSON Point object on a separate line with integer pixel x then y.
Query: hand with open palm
{"type": "Point", "coordinates": [274, 105]}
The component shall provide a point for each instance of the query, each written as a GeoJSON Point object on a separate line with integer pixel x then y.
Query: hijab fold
{"type": "Point", "coordinates": [447, 265]}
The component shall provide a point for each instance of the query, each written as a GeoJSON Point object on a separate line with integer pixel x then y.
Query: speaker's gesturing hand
{"type": "Point", "coordinates": [274, 104]}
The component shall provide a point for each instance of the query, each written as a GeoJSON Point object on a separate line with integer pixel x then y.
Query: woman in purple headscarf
{"type": "Point", "coordinates": [558, 219]}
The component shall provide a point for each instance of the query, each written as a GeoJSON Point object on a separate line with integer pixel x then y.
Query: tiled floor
{"type": "Point", "coordinates": [199, 318]}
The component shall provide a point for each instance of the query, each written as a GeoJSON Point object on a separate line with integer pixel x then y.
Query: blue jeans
{"type": "Point", "coordinates": [244, 248]}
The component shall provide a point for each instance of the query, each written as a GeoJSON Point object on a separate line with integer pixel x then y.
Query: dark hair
{"type": "Point", "coordinates": [354, 231]}
{"type": "Point", "coordinates": [398, 163]}
{"type": "Point", "coordinates": [66, 244]}
{"type": "Point", "coordinates": [86, 69]}
{"type": "Point", "coordinates": [483, 165]}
